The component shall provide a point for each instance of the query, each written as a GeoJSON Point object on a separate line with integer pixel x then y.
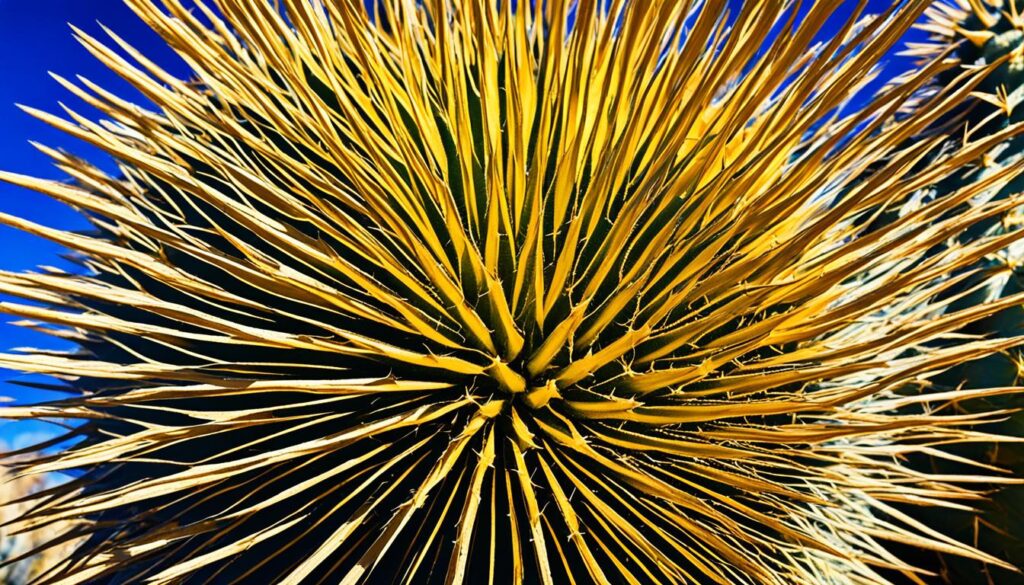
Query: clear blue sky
{"type": "Point", "coordinates": [34, 39]}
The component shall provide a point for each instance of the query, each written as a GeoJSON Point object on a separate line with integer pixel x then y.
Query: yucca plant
{"type": "Point", "coordinates": [552, 292]}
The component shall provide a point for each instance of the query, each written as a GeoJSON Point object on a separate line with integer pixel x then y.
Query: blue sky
{"type": "Point", "coordinates": [35, 38]}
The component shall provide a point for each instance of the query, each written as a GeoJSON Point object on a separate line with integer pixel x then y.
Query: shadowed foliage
{"type": "Point", "coordinates": [562, 292]}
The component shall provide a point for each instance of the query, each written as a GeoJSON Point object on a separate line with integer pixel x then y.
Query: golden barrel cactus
{"type": "Point", "coordinates": [496, 292]}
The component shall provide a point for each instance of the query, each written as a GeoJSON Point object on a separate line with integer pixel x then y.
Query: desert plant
{"type": "Point", "coordinates": [483, 292]}
{"type": "Point", "coordinates": [985, 34]}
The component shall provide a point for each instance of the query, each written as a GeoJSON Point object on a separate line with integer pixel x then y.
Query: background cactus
{"type": "Point", "coordinates": [459, 292]}
{"type": "Point", "coordinates": [977, 34]}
